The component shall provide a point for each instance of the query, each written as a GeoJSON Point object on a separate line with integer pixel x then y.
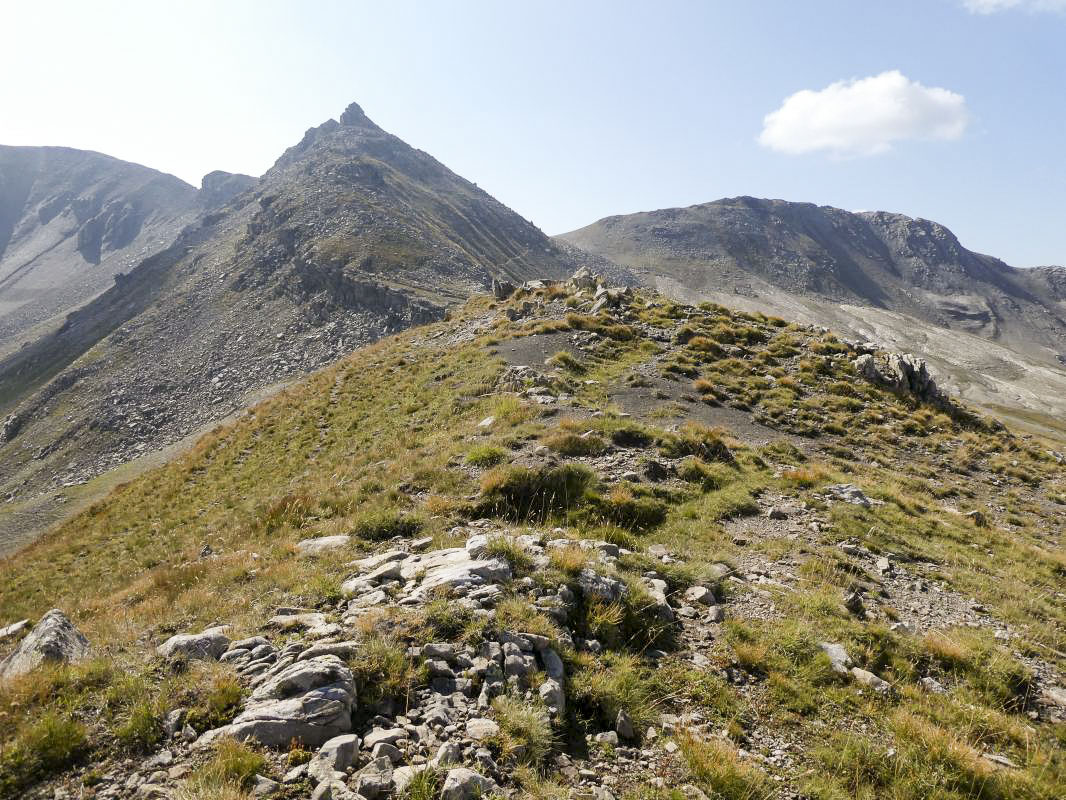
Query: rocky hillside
{"type": "Point", "coordinates": [898, 280]}
{"type": "Point", "coordinates": [351, 235]}
{"type": "Point", "coordinates": [70, 220]}
{"type": "Point", "coordinates": [578, 542]}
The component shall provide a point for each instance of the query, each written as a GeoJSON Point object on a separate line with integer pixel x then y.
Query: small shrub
{"type": "Point", "coordinates": [219, 705]}
{"type": "Point", "coordinates": [581, 322]}
{"type": "Point", "coordinates": [631, 436]}
{"type": "Point", "coordinates": [573, 445]}
{"type": "Point", "coordinates": [525, 731]}
{"type": "Point", "coordinates": [517, 614]}
{"type": "Point", "coordinates": [629, 508]}
{"type": "Point", "coordinates": [566, 360]}
{"type": "Point", "coordinates": [702, 344]}
{"type": "Point", "coordinates": [994, 675]}
{"type": "Point", "coordinates": [46, 747]}
{"type": "Point", "coordinates": [231, 769]}
{"type": "Point", "coordinates": [379, 525]}
{"type": "Point", "coordinates": [442, 619]}
{"type": "Point", "coordinates": [569, 560]}
{"type": "Point", "coordinates": [717, 767]}
{"type": "Point", "coordinates": [293, 510]}
{"type": "Point", "coordinates": [425, 785]}
{"type": "Point", "coordinates": [619, 682]}
{"type": "Point", "coordinates": [143, 728]}
{"type": "Point", "coordinates": [709, 477]}
{"type": "Point", "coordinates": [522, 493]}
{"type": "Point", "coordinates": [731, 501]}
{"type": "Point", "coordinates": [805, 477]}
{"type": "Point", "coordinates": [383, 670]}
{"type": "Point", "coordinates": [696, 440]}
{"type": "Point", "coordinates": [509, 551]}
{"type": "Point", "coordinates": [485, 455]}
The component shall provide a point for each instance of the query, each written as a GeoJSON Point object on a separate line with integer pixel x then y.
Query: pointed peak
{"type": "Point", "coordinates": [353, 116]}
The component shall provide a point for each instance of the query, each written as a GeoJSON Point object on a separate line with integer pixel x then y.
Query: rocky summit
{"type": "Point", "coordinates": [351, 235]}
{"type": "Point", "coordinates": [576, 540]}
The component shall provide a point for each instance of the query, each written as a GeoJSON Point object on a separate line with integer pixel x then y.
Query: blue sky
{"type": "Point", "coordinates": [568, 112]}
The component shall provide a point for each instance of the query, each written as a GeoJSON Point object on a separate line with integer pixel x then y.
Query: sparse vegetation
{"type": "Point", "coordinates": [388, 445]}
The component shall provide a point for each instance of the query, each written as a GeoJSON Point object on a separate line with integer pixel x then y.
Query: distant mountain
{"type": "Point", "coordinates": [998, 332]}
{"type": "Point", "coordinates": [70, 220]}
{"type": "Point", "coordinates": [888, 261]}
{"type": "Point", "coordinates": [352, 234]}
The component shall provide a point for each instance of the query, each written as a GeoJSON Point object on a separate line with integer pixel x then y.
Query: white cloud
{"type": "Point", "coordinates": [863, 116]}
{"type": "Point", "coordinates": [995, 6]}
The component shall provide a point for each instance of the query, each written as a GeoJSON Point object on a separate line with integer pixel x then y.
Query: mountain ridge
{"type": "Point", "coordinates": [897, 279]}
{"type": "Point", "coordinates": [350, 235]}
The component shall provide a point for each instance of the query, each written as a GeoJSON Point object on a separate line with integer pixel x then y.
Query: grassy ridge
{"type": "Point", "coordinates": [387, 442]}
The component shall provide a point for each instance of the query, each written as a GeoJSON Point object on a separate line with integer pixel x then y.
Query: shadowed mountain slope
{"type": "Point", "coordinates": [70, 220]}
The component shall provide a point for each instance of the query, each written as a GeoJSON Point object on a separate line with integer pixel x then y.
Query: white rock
{"type": "Point", "coordinates": [13, 629]}
{"type": "Point", "coordinates": [336, 755]}
{"type": "Point", "coordinates": [207, 645]}
{"type": "Point", "coordinates": [699, 595]}
{"type": "Point", "coordinates": [551, 692]}
{"type": "Point", "coordinates": [388, 735]}
{"type": "Point", "coordinates": [869, 679]}
{"type": "Point", "coordinates": [323, 544]}
{"type": "Point", "coordinates": [465, 784]}
{"type": "Point", "coordinates": [402, 776]}
{"type": "Point", "coordinates": [838, 656]}
{"type": "Point", "coordinates": [480, 729]}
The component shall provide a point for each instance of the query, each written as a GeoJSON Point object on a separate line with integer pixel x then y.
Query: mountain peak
{"type": "Point", "coordinates": [353, 116]}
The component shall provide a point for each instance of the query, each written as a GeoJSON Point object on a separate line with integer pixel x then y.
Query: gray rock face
{"type": "Point", "coordinates": [374, 781]}
{"type": "Point", "coordinates": [904, 372]}
{"type": "Point", "coordinates": [210, 644]}
{"type": "Point", "coordinates": [551, 692]}
{"type": "Point", "coordinates": [218, 188]}
{"type": "Point", "coordinates": [465, 784]}
{"type": "Point", "coordinates": [453, 569]}
{"type": "Point", "coordinates": [402, 776]}
{"type": "Point", "coordinates": [53, 639]}
{"type": "Point", "coordinates": [313, 717]}
{"type": "Point", "coordinates": [336, 755]}
{"type": "Point", "coordinates": [70, 220]}
{"type": "Point", "coordinates": [838, 656]}
{"type": "Point", "coordinates": [480, 729]}
{"type": "Point", "coordinates": [309, 700]}
{"type": "Point", "coordinates": [302, 676]}
{"type": "Point", "coordinates": [700, 595]}
{"type": "Point", "coordinates": [600, 587]}
{"type": "Point", "coordinates": [383, 735]}
{"type": "Point", "coordinates": [867, 678]}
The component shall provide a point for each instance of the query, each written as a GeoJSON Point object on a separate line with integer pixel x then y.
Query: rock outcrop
{"type": "Point", "coordinates": [53, 640]}
{"type": "Point", "coordinates": [905, 373]}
